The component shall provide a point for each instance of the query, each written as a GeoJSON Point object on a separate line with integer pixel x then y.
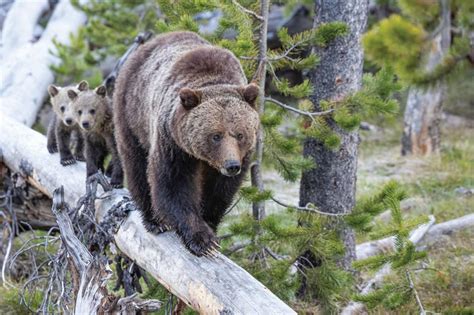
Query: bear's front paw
{"type": "Point", "coordinates": [68, 160]}
{"type": "Point", "coordinates": [53, 148]}
{"type": "Point", "coordinates": [202, 242]}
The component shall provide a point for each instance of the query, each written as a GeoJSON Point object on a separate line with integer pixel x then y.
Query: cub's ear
{"type": "Point", "coordinates": [101, 90]}
{"type": "Point", "coordinates": [83, 85]}
{"type": "Point", "coordinates": [71, 94]}
{"type": "Point", "coordinates": [249, 93]}
{"type": "Point", "coordinates": [190, 98]}
{"type": "Point", "coordinates": [53, 90]}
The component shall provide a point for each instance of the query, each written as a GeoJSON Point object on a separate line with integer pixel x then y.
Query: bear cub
{"type": "Point", "coordinates": [63, 128]}
{"type": "Point", "coordinates": [93, 113]}
{"type": "Point", "coordinates": [186, 125]}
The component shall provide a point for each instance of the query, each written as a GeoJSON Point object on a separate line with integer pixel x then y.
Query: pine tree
{"type": "Point", "coordinates": [426, 45]}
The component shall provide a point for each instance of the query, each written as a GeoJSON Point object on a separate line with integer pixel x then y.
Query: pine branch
{"type": "Point", "coordinates": [357, 307]}
{"type": "Point", "coordinates": [245, 10]}
{"type": "Point", "coordinates": [299, 111]}
{"type": "Point", "coordinates": [288, 51]}
{"type": "Point", "coordinates": [308, 208]}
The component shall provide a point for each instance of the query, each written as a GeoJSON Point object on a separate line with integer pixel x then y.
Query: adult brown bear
{"type": "Point", "coordinates": [185, 126]}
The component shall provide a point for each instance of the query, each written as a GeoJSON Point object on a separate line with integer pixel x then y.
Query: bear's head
{"type": "Point", "coordinates": [89, 106]}
{"type": "Point", "coordinates": [217, 125]}
{"type": "Point", "coordinates": [62, 104]}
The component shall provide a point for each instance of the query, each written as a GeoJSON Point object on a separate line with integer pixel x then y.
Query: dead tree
{"type": "Point", "coordinates": [421, 132]}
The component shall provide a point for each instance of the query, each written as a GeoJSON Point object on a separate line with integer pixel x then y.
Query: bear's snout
{"type": "Point", "coordinates": [68, 121]}
{"type": "Point", "coordinates": [231, 168]}
{"type": "Point", "coordinates": [86, 125]}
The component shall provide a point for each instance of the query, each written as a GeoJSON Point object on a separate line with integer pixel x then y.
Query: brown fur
{"type": "Point", "coordinates": [93, 113]}
{"type": "Point", "coordinates": [63, 127]}
{"type": "Point", "coordinates": [185, 126]}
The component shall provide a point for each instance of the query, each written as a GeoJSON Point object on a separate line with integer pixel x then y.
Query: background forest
{"type": "Point", "coordinates": [396, 141]}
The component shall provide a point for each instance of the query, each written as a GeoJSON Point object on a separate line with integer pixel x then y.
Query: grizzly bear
{"type": "Point", "coordinates": [185, 125]}
{"type": "Point", "coordinates": [62, 127]}
{"type": "Point", "coordinates": [93, 113]}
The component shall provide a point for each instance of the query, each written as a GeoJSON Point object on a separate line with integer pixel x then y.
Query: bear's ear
{"type": "Point", "coordinates": [71, 94]}
{"type": "Point", "coordinates": [53, 90]}
{"type": "Point", "coordinates": [190, 98]}
{"type": "Point", "coordinates": [249, 93]}
{"type": "Point", "coordinates": [101, 90]}
{"type": "Point", "coordinates": [83, 85]}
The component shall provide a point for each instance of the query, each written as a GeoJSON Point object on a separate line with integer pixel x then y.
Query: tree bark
{"type": "Point", "coordinates": [421, 132]}
{"type": "Point", "coordinates": [208, 285]}
{"type": "Point", "coordinates": [331, 184]}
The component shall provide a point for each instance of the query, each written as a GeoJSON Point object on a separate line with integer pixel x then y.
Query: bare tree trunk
{"type": "Point", "coordinates": [331, 184]}
{"type": "Point", "coordinates": [258, 208]}
{"type": "Point", "coordinates": [421, 133]}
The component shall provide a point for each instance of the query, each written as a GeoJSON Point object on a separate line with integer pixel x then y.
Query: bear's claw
{"type": "Point", "coordinates": [67, 161]}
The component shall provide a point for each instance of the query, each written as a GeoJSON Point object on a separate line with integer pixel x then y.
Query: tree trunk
{"type": "Point", "coordinates": [331, 184]}
{"type": "Point", "coordinates": [421, 132]}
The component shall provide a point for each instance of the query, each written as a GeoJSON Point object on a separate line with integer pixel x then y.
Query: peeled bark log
{"type": "Point", "coordinates": [421, 133]}
{"type": "Point", "coordinates": [20, 23]}
{"type": "Point", "coordinates": [331, 184]}
{"type": "Point", "coordinates": [210, 286]}
{"type": "Point", "coordinates": [25, 70]}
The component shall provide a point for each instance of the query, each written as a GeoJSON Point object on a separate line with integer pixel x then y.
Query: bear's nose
{"type": "Point", "coordinates": [86, 124]}
{"type": "Point", "coordinates": [68, 121]}
{"type": "Point", "coordinates": [232, 167]}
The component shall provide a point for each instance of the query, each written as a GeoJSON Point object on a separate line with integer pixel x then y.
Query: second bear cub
{"type": "Point", "coordinates": [93, 113]}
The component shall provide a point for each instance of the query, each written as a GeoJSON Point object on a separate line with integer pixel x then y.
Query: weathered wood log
{"type": "Point", "coordinates": [358, 308]}
{"type": "Point", "coordinates": [210, 286]}
{"type": "Point", "coordinates": [373, 248]}
{"type": "Point", "coordinates": [25, 71]}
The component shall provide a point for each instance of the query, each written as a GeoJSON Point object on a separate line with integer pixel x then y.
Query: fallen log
{"type": "Point", "coordinates": [25, 70]}
{"type": "Point", "coordinates": [377, 247]}
{"type": "Point", "coordinates": [210, 286]}
{"type": "Point", "coordinates": [415, 237]}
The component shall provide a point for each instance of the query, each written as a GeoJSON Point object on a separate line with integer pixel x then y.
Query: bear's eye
{"type": "Point", "coordinates": [217, 137]}
{"type": "Point", "coordinates": [92, 111]}
{"type": "Point", "coordinates": [79, 112]}
{"type": "Point", "coordinates": [62, 108]}
{"type": "Point", "coordinates": [240, 136]}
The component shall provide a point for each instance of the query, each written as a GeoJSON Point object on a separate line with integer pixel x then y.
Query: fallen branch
{"type": "Point", "coordinates": [209, 286]}
{"type": "Point", "coordinates": [415, 237]}
{"type": "Point", "coordinates": [94, 272]}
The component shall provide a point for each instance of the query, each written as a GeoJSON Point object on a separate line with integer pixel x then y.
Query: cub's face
{"type": "Point", "coordinates": [89, 107]}
{"type": "Point", "coordinates": [61, 104]}
{"type": "Point", "coordinates": [219, 127]}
